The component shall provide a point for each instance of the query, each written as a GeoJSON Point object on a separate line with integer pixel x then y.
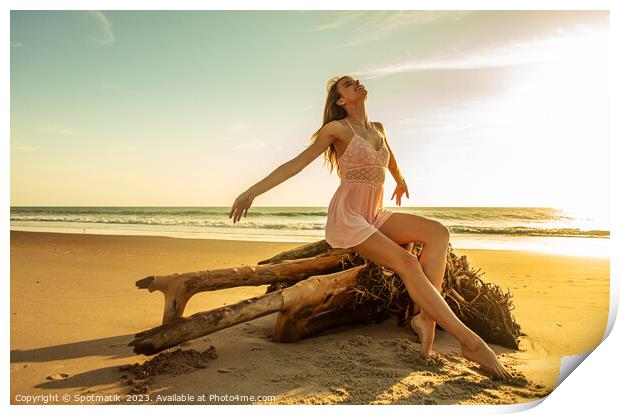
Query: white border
{"type": "Point", "coordinates": [589, 389]}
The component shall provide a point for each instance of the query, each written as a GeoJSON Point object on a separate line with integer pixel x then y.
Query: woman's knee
{"type": "Point", "coordinates": [406, 261]}
{"type": "Point", "coordinates": [442, 232]}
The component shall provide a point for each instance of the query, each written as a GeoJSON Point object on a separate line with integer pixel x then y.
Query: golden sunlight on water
{"type": "Point", "coordinates": [573, 246]}
{"type": "Point", "coordinates": [588, 217]}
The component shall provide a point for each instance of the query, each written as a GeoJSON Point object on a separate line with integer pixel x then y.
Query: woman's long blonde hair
{"type": "Point", "coordinates": [331, 112]}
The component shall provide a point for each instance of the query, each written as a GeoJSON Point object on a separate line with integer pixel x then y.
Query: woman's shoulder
{"type": "Point", "coordinates": [336, 123]}
{"type": "Point", "coordinates": [335, 127]}
{"type": "Point", "coordinates": [379, 127]}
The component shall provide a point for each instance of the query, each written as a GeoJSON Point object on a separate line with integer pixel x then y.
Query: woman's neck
{"type": "Point", "coordinates": [358, 116]}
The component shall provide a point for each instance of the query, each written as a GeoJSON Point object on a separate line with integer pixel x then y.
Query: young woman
{"type": "Point", "coordinates": [356, 218]}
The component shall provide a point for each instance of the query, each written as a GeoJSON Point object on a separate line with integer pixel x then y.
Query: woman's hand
{"type": "Point", "coordinates": [241, 206]}
{"type": "Point", "coordinates": [401, 187]}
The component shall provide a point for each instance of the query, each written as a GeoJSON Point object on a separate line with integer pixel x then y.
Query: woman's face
{"type": "Point", "coordinates": [350, 90]}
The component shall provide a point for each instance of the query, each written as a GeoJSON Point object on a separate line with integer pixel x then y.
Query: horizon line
{"type": "Point", "coordinates": [275, 206]}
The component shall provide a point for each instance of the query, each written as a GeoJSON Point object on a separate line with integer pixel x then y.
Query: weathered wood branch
{"type": "Point", "coordinates": [179, 288]}
{"type": "Point", "coordinates": [313, 249]}
{"type": "Point", "coordinates": [316, 294]}
{"type": "Point", "coordinates": [308, 315]}
{"type": "Point", "coordinates": [200, 324]}
{"type": "Point", "coordinates": [310, 297]}
{"type": "Point", "coordinates": [314, 288]}
{"type": "Point", "coordinates": [336, 317]}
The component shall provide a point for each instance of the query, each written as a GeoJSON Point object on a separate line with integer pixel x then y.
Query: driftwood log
{"type": "Point", "coordinates": [179, 288]}
{"type": "Point", "coordinates": [314, 288]}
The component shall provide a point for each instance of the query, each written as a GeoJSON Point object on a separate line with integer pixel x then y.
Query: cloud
{"type": "Point", "coordinates": [55, 130]}
{"type": "Point", "coordinates": [238, 126]}
{"type": "Point", "coordinates": [19, 147]}
{"type": "Point", "coordinates": [16, 44]}
{"type": "Point", "coordinates": [368, 26]}
{"type": "Point", "coordinates": [584, 43]}
{"type": "Point", "coordinates": [26, 149]}
{"type": "Point", "coordinates": [465, 118]}
{"type": "Point", "coordinates": [232, 131]}
{"type": "Point", "coordinates": [341, 19]}
{"type": "Point", "coordinates": [106, 36]}
{"type": "Point", "coordinates": [250, 145]}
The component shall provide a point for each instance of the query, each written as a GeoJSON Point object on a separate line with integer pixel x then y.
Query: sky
{"type": "Point", "coordinates": [191, 108]}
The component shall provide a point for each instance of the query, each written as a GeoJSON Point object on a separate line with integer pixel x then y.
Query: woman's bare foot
{"type": "Point", "coordinates": [425, 329]}
{"type": "Point", "coordinates": [483, 355]}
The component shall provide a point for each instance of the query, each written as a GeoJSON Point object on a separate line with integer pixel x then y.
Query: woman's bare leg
{"type": "Point", "coordinates": [433, 263]}
{"type": "Point", "coordinates": [381, 250]}
{"type": "Point", "coordinates": [404, 228]}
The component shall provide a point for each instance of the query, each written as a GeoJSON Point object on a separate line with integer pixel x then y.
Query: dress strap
{"type": "Point", "coordinates": [350, 126]}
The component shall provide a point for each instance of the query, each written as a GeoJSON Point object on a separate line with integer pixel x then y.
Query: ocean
{"type": "Point", "coordinates": [523, 228]}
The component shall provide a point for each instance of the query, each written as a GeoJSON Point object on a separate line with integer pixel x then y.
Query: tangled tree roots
{"type": "Point", "coordinates": [314, 288]}
{"type": "Point", "coordinates": [483, 307]}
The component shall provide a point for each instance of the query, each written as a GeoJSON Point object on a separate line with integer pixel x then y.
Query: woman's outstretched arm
{"type": "Point", "coordinates": [285, 171]}
{"type": "Point", "coordinates": [392, 166]}
{"type": "Point", "coordinates": [401, 185]}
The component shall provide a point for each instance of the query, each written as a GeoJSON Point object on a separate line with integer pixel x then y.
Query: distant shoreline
{"type": "Point", "coordinates": [569, 246]}
{"type": "Point", "coordinates": [548, 230]}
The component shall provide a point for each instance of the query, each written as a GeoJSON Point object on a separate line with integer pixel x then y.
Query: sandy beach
{"type": "Point", "coordinates": [74, 309]}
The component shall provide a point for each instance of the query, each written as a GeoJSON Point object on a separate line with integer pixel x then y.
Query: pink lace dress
{"type": "Point", "coordinates": [356, 209]}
